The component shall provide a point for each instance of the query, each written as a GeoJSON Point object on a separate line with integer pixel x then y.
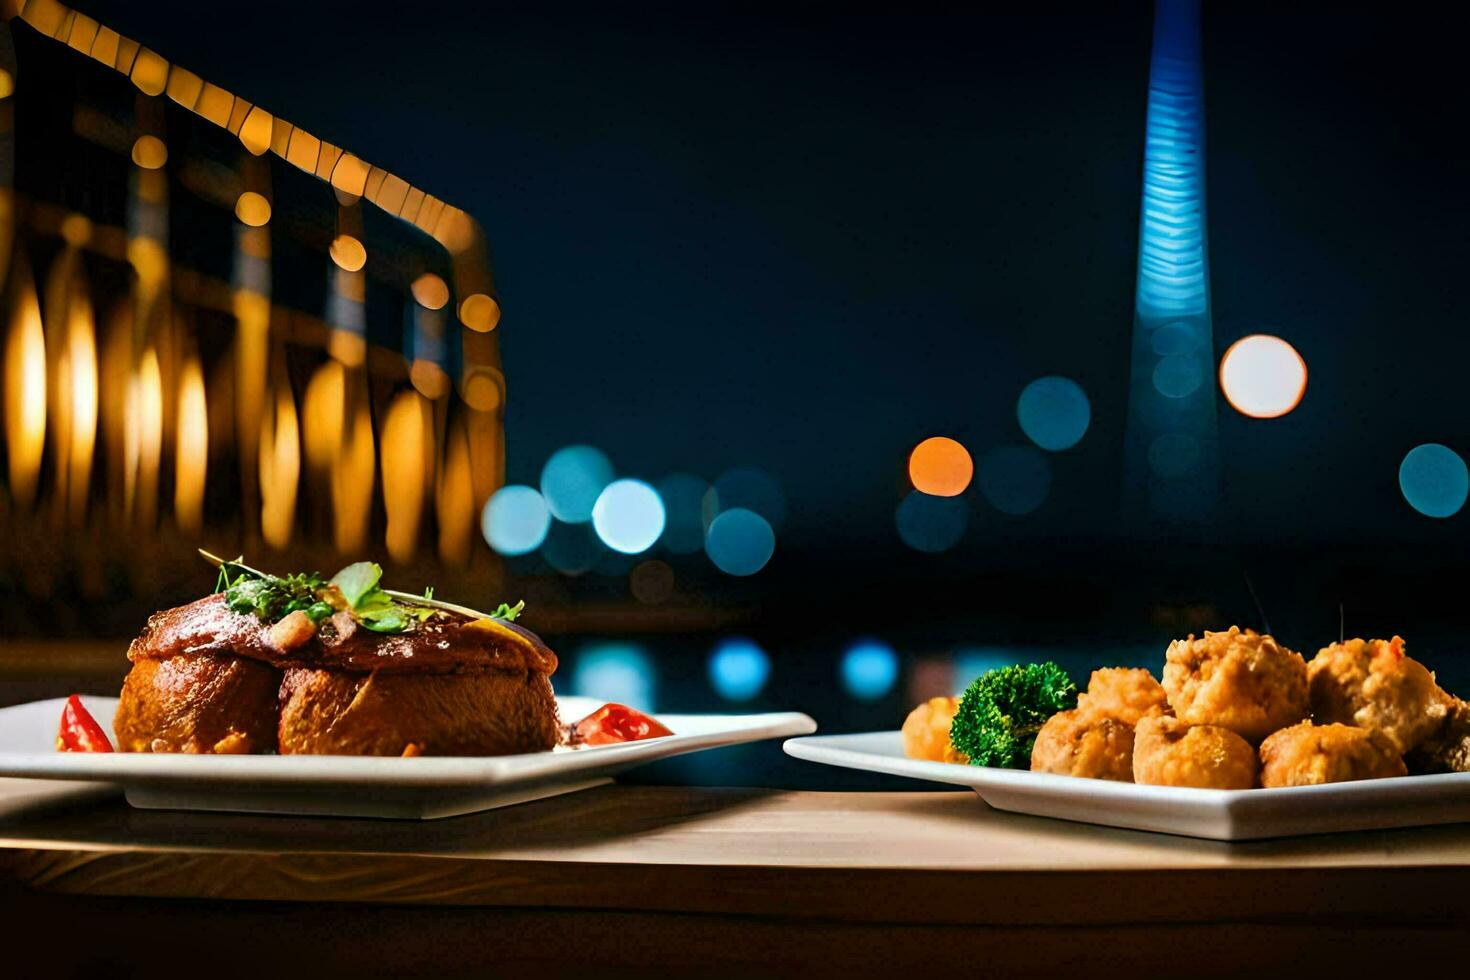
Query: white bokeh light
{"type": "Point", "coordinates": [515, 520]}
{"type": "Point", "coordinates": [629, 516]}
{"type": "Point", "coordinates": [1263, 377]}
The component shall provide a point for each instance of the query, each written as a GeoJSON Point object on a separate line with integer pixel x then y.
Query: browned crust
{"type": "Point", "coordinates": [445, 644]}
{"type": "Point", "coordinates": [325, 712]}
{"type": "Point", "coordinates": [201, 703]}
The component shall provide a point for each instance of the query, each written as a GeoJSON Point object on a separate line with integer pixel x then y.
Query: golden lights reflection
{"type": "Point", "coordinates": [115, 374]}
{"type": "Point", "coordinates": [25, 393]}
{"type": "Point", "coordinates": [191, 448]}
{"type": "Point", "coordinates": [77, 375]}
{"type": "Point", "coordinates": [456, 497]}
{"type": "Point", "coordinates": [133, 402]}
{"type": "Point", "coordinates": [323, 412]}
{"type": "Point", "coordinates": [150, 262]}
{"type": "Point", "coordinates": [406, 467]}
{"type": "Point", "coordinates": [251, 357]}
{"type": "Point", "coordinates": [144, 440]}
{"type": "Point", "coordinates": [352, 481]}
{"type": "Point", "coordinates": [280, 468]}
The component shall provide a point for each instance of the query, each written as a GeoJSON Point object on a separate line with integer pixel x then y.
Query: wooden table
{"type": "Point", "coordinates": [737, 882]}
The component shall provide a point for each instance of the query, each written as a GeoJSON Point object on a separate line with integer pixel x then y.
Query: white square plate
{"type": "Point", "coordinates": [358, 786]}
{"type": "Point", "coordinates": [1369, 804]}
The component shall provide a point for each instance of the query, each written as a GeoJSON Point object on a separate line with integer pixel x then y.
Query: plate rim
{"type": "Point", "coordinates": [821, 750]}
{"type": "Point", "coordinates": [421, 773]}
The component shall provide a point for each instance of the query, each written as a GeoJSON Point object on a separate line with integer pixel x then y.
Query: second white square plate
{"type": "Point", "coordinates": [1229, 815]}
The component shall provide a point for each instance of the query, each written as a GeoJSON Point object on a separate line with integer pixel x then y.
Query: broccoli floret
{"type": "Point", "coordinates": [1003, 709]}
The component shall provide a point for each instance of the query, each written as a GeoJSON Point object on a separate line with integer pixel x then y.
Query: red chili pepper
{"type": "Point", "coordinates": [613, 723]}
{"type": "Point", "coordinates": [79, 731]}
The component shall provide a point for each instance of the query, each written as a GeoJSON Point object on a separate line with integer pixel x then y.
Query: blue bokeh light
{"type": "Point", "coordinates": [515, 520]}
{"type": "Point", "coordinates": [1434, 480]}
{"type": "Point", "coordinates": [1173, 454]}
{"type": "Point", "coordinates": [571, 481]}
{"type": "Point", "coordinates": [1178, 375]}
{"type": "Point", "coordinates": [1054, 412]}
{"type": "Point", "coordinates": [1179, 337]}
{"type": "Point", "coordinates": [628, 516]}
{"type": "Point", "coordinates": [750, 488]}
{"type": "Point", "coordinates": [869, 669]}
{"type": "Point", "coordinates": [740, 542]}
{"type": "Point", "coordinates": [683, 501]}
{"type": "Point", "coordinates": [738, 669]}
{"type": "Point", "coordinates": [571, 549]}
{"type": "Point", "coordinates": [620, 672]}
{"type": "Point", "coordinates": [1015, 479]}
{"type": "Point", "coordinates": [929, 523]}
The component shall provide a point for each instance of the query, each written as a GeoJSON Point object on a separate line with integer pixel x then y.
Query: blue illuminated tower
{"type": "Point", "coordinates": [1171, 462]}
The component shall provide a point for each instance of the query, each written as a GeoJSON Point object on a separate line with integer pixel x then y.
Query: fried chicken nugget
{"type": "Point", "coordinates": [1371, 684]}
{"type": "Point", "coordinates": [1448, 749]}
{"type": "Point", "coordinates": [1238, 680]}
{"type": "Point", "coordinates": [1307, 755]}
{"type": "Point", "coordinates": [1086, 744]}
{"type": "Point", "coordinates": [1124, 694]}
{"type": "Point", "coordinates": [1171, 752]}
{"type": "Point", "coordinates": [926, 731]}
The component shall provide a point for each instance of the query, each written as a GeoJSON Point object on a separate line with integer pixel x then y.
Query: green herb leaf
{"type": "Point", "coordinates": [391, 619]}
{"type": "Point", "coordinates": [357, 581]}
{"type": "Point", "coordinates": [508, 613]}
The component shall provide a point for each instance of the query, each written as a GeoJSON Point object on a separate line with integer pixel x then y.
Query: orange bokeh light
{"type": "Point", "coordinates": [479, 312]}
{"type": "Point", "coordinates": [348, 253]}
{"type": "Point", "coordinates": [481, 393]}
{"type": "Point", "coordinates": [253, 209]}
{"type": "Point", "coordinates": [430, 291]}
{"type": "Point", "coordinates": [149, 152]}
{"type": "Point", "coordinates": [941, 467]}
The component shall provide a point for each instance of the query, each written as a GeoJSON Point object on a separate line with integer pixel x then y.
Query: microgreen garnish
{"type": "Point", "coordinates": [508, 613]}
{"type": "Point", "coordinates": [271, 597]}
{"type": "Point", "coordinates": [354, 590]}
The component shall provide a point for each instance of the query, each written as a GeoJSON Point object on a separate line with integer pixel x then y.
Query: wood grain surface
{"type": "Point", "coordinates": [693, 865]}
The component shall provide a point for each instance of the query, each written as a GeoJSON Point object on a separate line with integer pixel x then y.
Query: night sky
{"type": "Point", "coordinates": [805, 241]}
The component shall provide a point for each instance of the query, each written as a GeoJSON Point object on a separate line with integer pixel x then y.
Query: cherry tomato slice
{"type": "Point", "coordinates": [79, 731]}
{"type": "Point", "coordinates": [613, 723]}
